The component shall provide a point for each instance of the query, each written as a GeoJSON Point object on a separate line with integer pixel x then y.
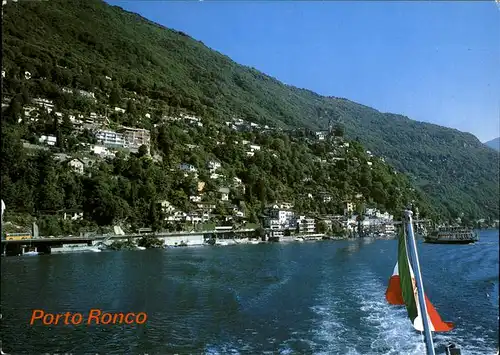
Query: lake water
{"type": "Point", "coordinates": [323, 297]}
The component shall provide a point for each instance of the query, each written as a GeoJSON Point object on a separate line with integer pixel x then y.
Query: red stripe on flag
{"type": "Point", "coordinates": [394, 295]}
{"type": "Point", "coordinates": [438, 324]}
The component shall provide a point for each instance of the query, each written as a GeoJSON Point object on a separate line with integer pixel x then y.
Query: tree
{"type": "Point", "coordinates": [25, 96]}
{"type": "Point", "coordinates": [14, 111]}
{"type": "Point", "coordinates": [321, 227]}
{"type": "Point", "coordinates": [338, 130]}
{"type": "Point", "coordinates": [131, 107]}
{"type": "Point", "coordinates": [114, 97]}
{"type": "Point", "coordinates": [150, 242]}
{"type": "Point", "coordinates": [261, 232]}
{"type": "Point", "coordinates": [360, 209]}
{"type": "Point", "coordinates": [66, 126]}
{"type": "Point", "coordinates": [154, 220]}
{"type": "Point", "coordinates": [143, 151]}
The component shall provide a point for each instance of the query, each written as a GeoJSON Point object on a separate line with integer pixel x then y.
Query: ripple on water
{"type": "Point", "coordinates": [320, 298]}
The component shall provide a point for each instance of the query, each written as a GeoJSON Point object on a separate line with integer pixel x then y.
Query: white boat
{"type": "Point", "coordinates": [30, 253]}
{"type": "Point", "coordinates": [69, 248]}
{"type": "Point", "coordinates": [141, 248]}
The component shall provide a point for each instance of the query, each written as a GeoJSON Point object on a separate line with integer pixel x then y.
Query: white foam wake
{"type": "Point", "coordinates": [392, 331]}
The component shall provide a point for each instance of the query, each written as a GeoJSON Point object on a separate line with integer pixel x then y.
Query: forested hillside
{"type": "Point", "coordinates": [81, 43]}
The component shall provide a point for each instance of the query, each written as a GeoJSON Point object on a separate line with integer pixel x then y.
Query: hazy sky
{"type": "Point", "coordinates": [432, 61]}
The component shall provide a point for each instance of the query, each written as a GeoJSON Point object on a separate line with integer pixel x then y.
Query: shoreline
{"type": "Point", "coordinates": [299, 239]}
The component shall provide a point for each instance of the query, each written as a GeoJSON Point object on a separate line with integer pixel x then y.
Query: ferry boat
{"type": "Point", "coordinates": [452, 235]}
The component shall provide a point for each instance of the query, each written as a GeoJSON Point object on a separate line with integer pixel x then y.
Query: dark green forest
{"type": "Point", "coordinates": [83, 44]}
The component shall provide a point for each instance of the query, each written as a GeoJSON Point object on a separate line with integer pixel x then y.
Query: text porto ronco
{"type": "Point", "coordinates": [94, 317]}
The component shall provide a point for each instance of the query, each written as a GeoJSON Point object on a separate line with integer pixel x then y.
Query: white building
{"type": "Point", "coordinates": [349, 208]}
{"type": "Point", "coordinates": [127, 137]}
{"type": "Point", "coordinates": [351, 223]}
{"type": "Point", "coordinates": [272, 223]}
{"type": "Point", "coordinates": [213, 165]}
{"type": "Point", "coordinates": [195, 198]}
{"type": "Point", "coordinates": [86, 94]}
{"type": "Point", "coordinates": [101, 151]}
{"type": "Point", "coordinates": [166, 207]}
{"type": "Point", "coordinates": [388, 228]}
{"type": "Point", "coordinates": [237, 212]}
{"type": "Point", "coordinates": [135, 137]}
{"type": "Point", "coordinates": [49, 140]}
{"type": "Point", "coordinates": [216, 176]}
{"type": "Point", "coordinates": [45, 103]}
{"type": "Point", "coordinates": [326, 197]}
{"type": "Point", "coordinates": [370, 212]}
{"type": "Point", "coordinates": [385, 216]}
{"type": "Point", "coordinates": [224, 194]}
{"type": "Point", "coordinates": [206, 206]}
{"type": "Point", "coordinates": [74, 216]}
{"type": "Point", "coordinates": [321, 135]}
{"type": "Point", "coordinates": [306, 225]}
{"type": "Point", "coordinates": [188, 167]}
{"type": "Point", "coordinates": [285, 217]}
{"type": "Point", "coordinates": [77, 165]}
{"type": "Point", "coordinates": [110, 139]}
{"type": "Point", "coordinates": [196, 217]}
{"type": "Point", "coordinates": [176, 216]}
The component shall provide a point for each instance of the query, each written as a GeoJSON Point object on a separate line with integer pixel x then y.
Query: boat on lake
{"type": "Point", "coordinates": [75, 248]}
{"type": "Point", "coordinates": [30, 253]}
{"type": "Point", "coordinates": [452, 235]}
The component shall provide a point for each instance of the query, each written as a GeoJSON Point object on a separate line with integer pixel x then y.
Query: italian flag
{"type": "Point", "coordinates": [402, 289]}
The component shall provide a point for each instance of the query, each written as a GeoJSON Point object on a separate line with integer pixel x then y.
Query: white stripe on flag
{"type": "Point", "coordinates": [418, 322]}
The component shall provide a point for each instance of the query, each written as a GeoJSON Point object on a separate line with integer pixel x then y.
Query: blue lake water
{"type": "Point", "coordinates": [323, 297]}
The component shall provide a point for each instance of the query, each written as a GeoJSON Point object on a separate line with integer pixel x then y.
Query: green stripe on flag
{"type": "Point", "coordinates": [405, 279]}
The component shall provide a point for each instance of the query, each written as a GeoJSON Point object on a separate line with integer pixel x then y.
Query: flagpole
{"type": "Point", "coordinates": [418, 278]}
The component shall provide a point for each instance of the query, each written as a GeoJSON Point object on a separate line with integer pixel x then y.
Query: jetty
{"type": "Point", "coordinates": [44, 245]}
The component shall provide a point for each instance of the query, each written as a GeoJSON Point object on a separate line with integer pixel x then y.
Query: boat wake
{"type": "Point", "coordinates": [360, 321]}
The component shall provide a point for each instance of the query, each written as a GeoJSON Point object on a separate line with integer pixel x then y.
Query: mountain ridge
{"type": "Point", "coordinates": [453, 167]}
{"type": "Point", "coordinates": [494, 144]}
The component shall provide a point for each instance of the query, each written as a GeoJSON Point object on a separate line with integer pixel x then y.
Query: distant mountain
{"type": "Point", "coordinates": [83, 42]}
{"type": "Point", "coordinates": [494, 143]}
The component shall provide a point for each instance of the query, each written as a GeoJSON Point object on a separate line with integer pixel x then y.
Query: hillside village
{"type": "Point", "coordinates": [104, 140]}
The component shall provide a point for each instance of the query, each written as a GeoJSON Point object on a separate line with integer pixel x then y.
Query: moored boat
{"type": "Point", "coordinates": [75, 248]}
{"type": "Point", "coordinates": [30, 253]}
{"type": "Point", "coordinates": [452, 235]}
